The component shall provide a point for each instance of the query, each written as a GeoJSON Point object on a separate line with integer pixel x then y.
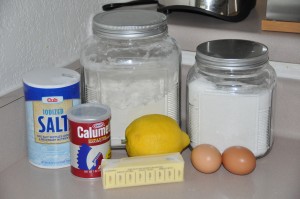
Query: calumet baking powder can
{"type": "Point", "coordinates": [49, 94]}
{"type": "Point", "coordinates": [90, 138]}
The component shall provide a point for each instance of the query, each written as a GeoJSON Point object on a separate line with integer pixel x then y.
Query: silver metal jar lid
{"type": "Point", "coordinates": [129, 23]}
{"type": "Point", "coordinates": [88, 113]}
{"type": "Point", "coordinates": [232, 54]}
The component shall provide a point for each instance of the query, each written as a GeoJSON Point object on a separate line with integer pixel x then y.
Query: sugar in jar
{"type": "Point", "coordinates": [229, 96]}
{"type": "Point", "coordinates": [131, 64]}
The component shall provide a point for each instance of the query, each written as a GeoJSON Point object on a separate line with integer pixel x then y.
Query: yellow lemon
{"type": "Point", "coordinates": [154, 134]}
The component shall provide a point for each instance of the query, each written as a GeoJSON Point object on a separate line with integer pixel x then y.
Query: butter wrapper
{"type": "Point", "coordinates": [142, 170]}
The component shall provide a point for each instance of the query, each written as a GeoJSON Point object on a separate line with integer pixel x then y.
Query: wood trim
{"type": "Point", "coordinates": [280, 26]}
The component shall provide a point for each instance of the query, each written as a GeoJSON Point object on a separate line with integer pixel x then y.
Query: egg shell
{"type": "Point", "coordinates": [206, 158]}
{"type": "Point", "coordinates": [238, 160]}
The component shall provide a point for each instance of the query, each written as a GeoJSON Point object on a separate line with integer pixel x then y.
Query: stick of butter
{"type": "Point", "coordinates": [142, 170]}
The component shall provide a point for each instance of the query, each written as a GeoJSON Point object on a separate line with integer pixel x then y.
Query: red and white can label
{"type": "Point", "coordinates": [90, 143]}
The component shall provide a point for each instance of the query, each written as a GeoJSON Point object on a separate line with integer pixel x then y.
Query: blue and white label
{"type": "Point", "coordinates": [47, 124]}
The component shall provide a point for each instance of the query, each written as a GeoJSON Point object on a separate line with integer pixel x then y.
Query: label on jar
{"type": "Point", "coordinates": [90, 143]}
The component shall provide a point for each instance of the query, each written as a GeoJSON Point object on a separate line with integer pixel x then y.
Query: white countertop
{"type": "Point", "coordinates": [276, 176]}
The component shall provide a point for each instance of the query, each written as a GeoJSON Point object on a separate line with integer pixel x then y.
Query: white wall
{"type": "Point", "coordinates": [41, 33]}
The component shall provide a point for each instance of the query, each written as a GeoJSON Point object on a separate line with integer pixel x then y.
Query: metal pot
{"type": "Point", "coordinates": [228, 10]}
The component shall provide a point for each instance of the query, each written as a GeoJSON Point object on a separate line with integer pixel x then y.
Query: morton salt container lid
{"type": "Point", "coordinates": [89, 112]}
{"type": "Point", "coordinates": [51, 78]}
{"type": "Point", "coordinates": [232, 54]}
{"type": "Point", "coordinates": [129, 24]}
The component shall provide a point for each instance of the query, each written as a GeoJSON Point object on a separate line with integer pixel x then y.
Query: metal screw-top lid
{"type": "Point", "coordinates": [232, 54]}
{"type": "Point", "coordinates": [129, 24]}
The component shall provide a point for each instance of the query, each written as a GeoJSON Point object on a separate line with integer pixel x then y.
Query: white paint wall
{"type": "Point", "coordinates": [41, 33]}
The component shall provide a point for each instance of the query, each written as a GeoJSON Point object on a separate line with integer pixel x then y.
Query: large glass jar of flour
{"type": "Point", "coordinates": [229, 96]}
{"type": "Point", "coordinates": [131, 64]}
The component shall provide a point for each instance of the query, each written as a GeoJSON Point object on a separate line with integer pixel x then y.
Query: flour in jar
{"type": "Point", "coordinates": [131, 94]}
{"type": "Point", "coordinates": [226, 119]}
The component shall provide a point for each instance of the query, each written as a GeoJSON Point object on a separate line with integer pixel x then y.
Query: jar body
{"type": "Point", "coordinates": [133, 76]}
{"type": "Point", "coordinates": [231, 108]}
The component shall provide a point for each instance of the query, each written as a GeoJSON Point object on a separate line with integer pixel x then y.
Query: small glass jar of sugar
{"type": "Point", "coordinates": [229, 96]}
{"type": "Point", "coordinates": [131, 64]}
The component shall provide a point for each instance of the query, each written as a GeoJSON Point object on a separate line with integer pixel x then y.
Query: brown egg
{"type": "Point", "coordinates": [206, 158]}
{"type": "Point", "coordinates": [238, 160]}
